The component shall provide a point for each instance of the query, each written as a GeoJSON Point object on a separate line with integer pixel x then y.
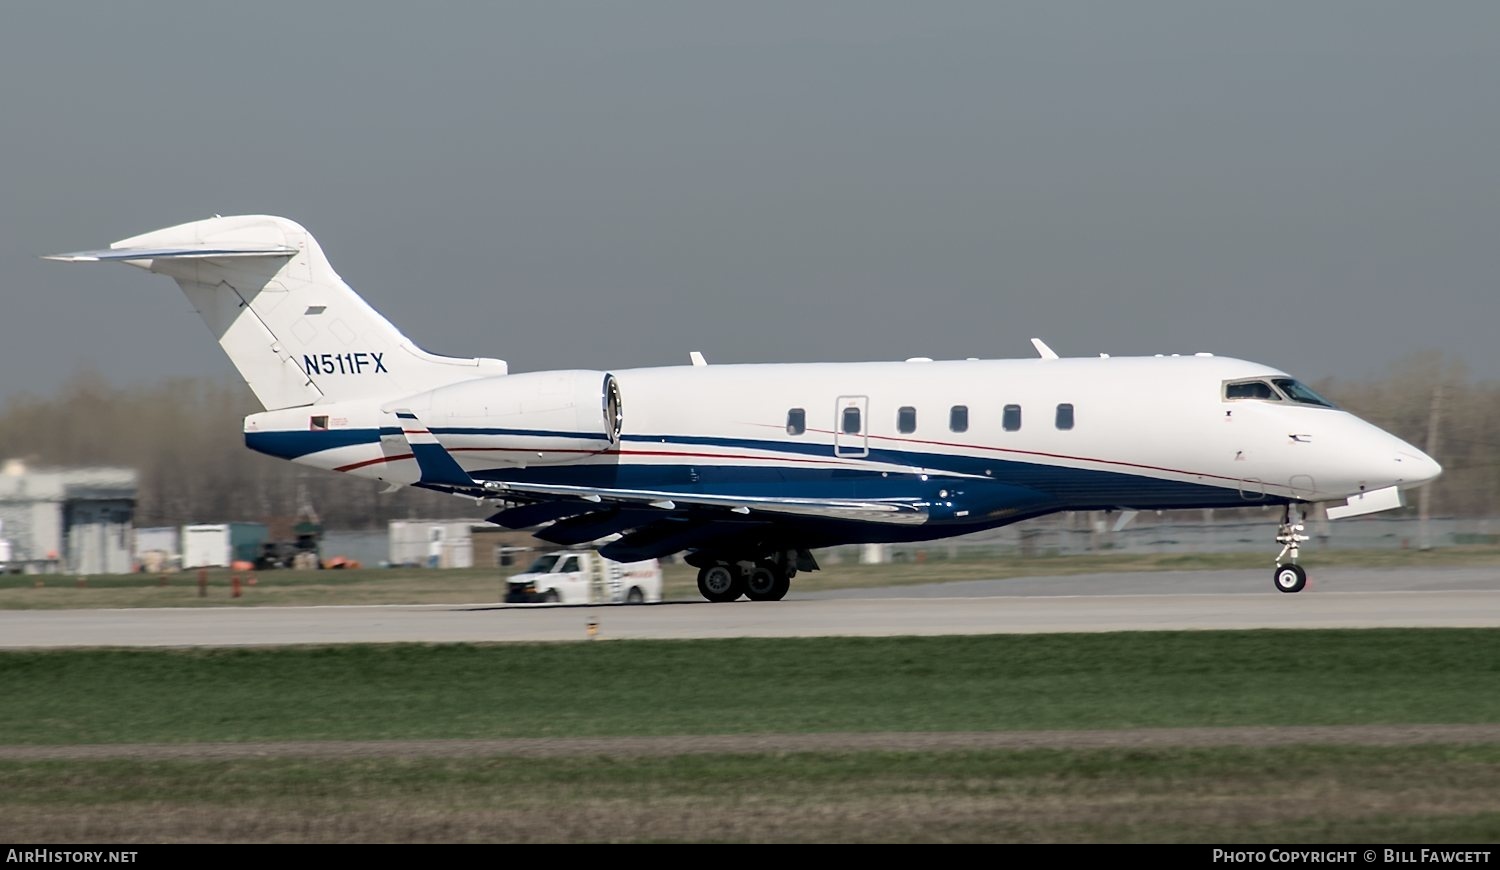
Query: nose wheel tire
{"type": "Point", "coordinates": [1290, 578]}
{"type": "Point", "coordinates": [719, 583]}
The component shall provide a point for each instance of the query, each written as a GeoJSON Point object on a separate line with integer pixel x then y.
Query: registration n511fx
{"type": "Point", "coordinates": [748, 468]}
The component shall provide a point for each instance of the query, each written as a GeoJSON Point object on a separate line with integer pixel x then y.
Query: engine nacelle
{"type": "Point", "coordinates": [538, 418]}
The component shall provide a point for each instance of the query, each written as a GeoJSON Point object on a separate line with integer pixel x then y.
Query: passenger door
{"type": "Point", "coordinates": [851, 425]}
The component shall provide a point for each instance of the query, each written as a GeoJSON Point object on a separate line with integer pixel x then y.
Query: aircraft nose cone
{"type": "Point", "coordinates": [1416, 467]}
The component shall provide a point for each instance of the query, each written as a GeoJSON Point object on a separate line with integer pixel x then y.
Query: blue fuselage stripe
{"type": "Point", "coordinates": [991, 483]}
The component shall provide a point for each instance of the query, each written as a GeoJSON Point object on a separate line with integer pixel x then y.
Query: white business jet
{"type": "Point", "coordinates": [748, 468]}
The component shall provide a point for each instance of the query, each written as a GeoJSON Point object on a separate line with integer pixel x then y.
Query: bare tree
{"type": "Point", "coordinates": [184, 438]}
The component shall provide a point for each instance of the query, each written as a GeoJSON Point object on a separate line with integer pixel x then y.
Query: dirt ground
{"type": "Point", "coordinates": [1318, 804]}
{"type": "Point", "coordinates": [1250, 736]}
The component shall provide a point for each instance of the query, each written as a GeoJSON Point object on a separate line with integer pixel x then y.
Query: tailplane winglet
{"type": "Point", "coordinates": [434, 461]}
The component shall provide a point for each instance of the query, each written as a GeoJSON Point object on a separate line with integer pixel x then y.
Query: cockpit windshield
{"type": "Point", "coordinates": [1302, 393]}
{"type": "Point", "coordinates": [1284, 389]}
{"type": "Point", "coordinates": [1251, 390]}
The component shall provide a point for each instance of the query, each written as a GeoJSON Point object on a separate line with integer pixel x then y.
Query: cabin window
{"type": "Point", "coordinates": [796, 421]}
{"type": "Point", "coordinates": [1065, 416]}
{"type": "Point", "coordinates": [1256, 389]}
{"type": "Point", "coordinates": [906, 420]}
{"type": "Point", "coordinates": [850, 422]}
{"type": "Point", "coordinates": [1012, 418]}
{"type": "Point", "coordinates": [958, 418]}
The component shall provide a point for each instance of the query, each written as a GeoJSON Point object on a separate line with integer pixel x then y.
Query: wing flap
{"type": "Point", "coordinates": [664, 538]}
{"type": "Point", "coordinates": [592, 527]}
{"type": "Point", "coordinates": [529, 515]}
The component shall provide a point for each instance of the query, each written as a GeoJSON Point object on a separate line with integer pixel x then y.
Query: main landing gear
{"type": "Point", "coordinates": [1289, 577]}
{"type": "Point", "coordinates": [762, 580]}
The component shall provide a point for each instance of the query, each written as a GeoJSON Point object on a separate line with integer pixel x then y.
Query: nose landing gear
{"type": "Point", "coordinates": [1289, 577]}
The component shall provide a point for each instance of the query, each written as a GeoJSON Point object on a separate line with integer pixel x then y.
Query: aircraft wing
{"type": "Point", "coordinates": [645, 524]}
{"type": "Point", "coordinates": [440, 470]}
{"type": "Point", "coordinates": [869, 511]}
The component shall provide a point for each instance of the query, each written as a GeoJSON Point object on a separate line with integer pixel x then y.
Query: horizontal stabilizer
{"type": "Point", "coordinates": [199, 252]}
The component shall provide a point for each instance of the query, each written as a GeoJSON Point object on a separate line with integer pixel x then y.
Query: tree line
{"type": "Point", "coordinates": [1430, 397]}
{"type": "Point", "coordinates": [183, 437]}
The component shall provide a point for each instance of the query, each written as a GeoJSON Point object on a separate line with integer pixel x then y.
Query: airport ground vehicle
{"type": "Point", "coordinates": [585, 577]}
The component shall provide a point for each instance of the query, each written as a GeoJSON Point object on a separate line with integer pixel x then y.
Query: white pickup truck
{"type": "Point", "coordinates": [585, 577]}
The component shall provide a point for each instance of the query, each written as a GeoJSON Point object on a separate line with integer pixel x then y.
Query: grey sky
{"type": "Point", "coordinates": [1312, 185]}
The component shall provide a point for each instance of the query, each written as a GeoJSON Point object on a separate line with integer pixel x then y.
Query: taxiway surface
{"type": "Point", "coordinates": [1338, 598]}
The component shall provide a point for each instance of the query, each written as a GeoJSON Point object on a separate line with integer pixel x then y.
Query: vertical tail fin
{"type": "Point", "coordinates": [297, 333]}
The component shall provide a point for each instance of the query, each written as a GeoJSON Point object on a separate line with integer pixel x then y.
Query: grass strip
{"type": "Point", "coordinates": [752, 685]}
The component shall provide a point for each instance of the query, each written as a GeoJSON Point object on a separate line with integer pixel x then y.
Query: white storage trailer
{"type": "Point", "coordinates": [432, 543]}
{"type": "Point", "coordinates": [220, 545]}
{"type": "Point", "coordinates": [157, 548]}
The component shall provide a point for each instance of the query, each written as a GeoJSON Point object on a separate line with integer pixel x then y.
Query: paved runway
{"type": "Point", "coordinates": [1339, 598]}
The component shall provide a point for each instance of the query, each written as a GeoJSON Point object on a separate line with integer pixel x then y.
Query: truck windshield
{"type": "Point", "coordinates": [543, 564]}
